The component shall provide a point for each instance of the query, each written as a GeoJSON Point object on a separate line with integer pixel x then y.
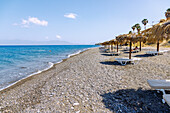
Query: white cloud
{"type": "Point", "coordinates": [35, 20]}
{"type": "Point", "coordinates": [31, 20]}
{"type": "Point", "coordinates": [71, 15]}
{"type": "Point", "coordinates": [24, 22]}
{"type": "Point", "coordinates": [58, 36]}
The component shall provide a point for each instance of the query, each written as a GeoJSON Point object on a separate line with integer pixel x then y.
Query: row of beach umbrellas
{"type": "Point", "coordinates": [155, 34]}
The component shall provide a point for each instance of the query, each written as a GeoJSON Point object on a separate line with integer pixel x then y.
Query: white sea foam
{"type": "Point", "coordinates": [78, 52]}
{"type": "Point", "coordinates": [38, 72]}
{"type": "Point", "coordinates": [74, 53]}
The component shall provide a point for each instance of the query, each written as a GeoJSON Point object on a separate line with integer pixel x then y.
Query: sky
{"type": "Point", "coordinates": [75, 21]}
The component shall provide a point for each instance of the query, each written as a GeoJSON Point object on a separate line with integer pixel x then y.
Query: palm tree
{"type": "Point", "coordinates": [130, 32]}
{"type": "Point", "coordinates": [138, 29]}
{"type": "Point", "coordinates": [144, 22]}
{"type": "Point", "coordinates": [136, 25]}
{"type": "Point", "coordinates": [167, 13]}
{"type": "Point", "coordinates": [133, 28]}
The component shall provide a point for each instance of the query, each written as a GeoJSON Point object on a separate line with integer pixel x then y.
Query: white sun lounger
{"type": "Point", "coordinates": [135, 51]}
{"type": "Point", "coordinates": [115, 53]}
{"type": "Point", "coordinates": [154, 52]}
{"type": "Point", "coordinates": [166, 97]}
{"type": "Point", "coordinates": [127, 48]}
{"type": "Point", "coordinates": [165, 51]}
{"type": "Point", "coordinates": [160, 85]}
{"type": "Point", "coordinates": [123, 61]}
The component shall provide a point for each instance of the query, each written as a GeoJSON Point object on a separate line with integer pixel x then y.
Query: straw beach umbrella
{"type": "Point", "coordinates": [120, 40]}
{"type": "Point", "coordinates": [113, 42]}
{"type": "Point", "coordinates": [126, 38]}
{"type": "Point", "coordinates": [160, 31]}
{"type": "Point", "coordinates": [106, 44]}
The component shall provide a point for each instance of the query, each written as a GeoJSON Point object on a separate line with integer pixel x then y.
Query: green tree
{"type": "Point", "coordinates": [144, 22]}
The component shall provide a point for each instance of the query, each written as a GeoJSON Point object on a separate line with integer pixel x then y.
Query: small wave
{"type": "Point", "coordinates": [38, 72]}
{"type": "Point", "coordinates": [78, 52]}
{"type": "Point", "coordinates": [50, 64]}
{"type": "Point", "coordinates": [59, 61]}
{"type": "Point", "coordinates": [74, 53]}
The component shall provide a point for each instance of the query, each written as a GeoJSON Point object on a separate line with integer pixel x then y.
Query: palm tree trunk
{"type": "Point", "coordinates": [130, 50]}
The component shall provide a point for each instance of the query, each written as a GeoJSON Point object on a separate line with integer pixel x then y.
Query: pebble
{"type": "Point", "coordinates": [75, 104]}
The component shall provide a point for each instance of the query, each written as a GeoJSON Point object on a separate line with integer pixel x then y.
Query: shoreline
{"type": "Point", "coordinates": [91, 82]}
{"type": "Point", "coordinates": [10, 86]}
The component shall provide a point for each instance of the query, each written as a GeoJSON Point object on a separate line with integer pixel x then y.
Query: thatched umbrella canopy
{"type": "Point", "coordinates": [130, 38]}
{"type": "Point", "coordinates": [112, 42]}
{"type": "Point", "coordinates": [106, 43]}
{"type": "Point", "coordinates": [145, 31]}
{"type": "Point", "coordinates": [115, 42]}
{"type": "Point", "coordinates": [160, 31]}
{"type": "Point", "coordinates": [121, 39]}
{"type": "Point", "coordinates": [124, 39]}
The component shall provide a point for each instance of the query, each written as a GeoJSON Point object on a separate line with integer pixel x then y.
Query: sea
{"type": "Point", "coordinates": [19, 62]}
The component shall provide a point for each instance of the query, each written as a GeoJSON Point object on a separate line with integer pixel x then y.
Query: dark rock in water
{"type": "Point", "coordinates": [131, 100]}
{"type": "Point", "coordinates": [23, 67]}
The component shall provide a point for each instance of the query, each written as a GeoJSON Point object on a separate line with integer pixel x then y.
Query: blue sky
{"type": "Point", "coordinates": [76, 21]}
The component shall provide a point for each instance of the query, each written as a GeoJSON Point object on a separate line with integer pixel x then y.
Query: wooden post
{"type": "Point", "coordinates": [130, 49]}
{"type": "Point", "coordinates": [140, 45]}
{"type": "Point", "coordinates": [112, 47]}
{"type": "Point", "coordinates": [117, 47]}
{"type": "Point", "coordinates": [158, 45]}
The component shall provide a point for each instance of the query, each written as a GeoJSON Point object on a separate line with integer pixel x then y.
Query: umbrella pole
{"type": "Point", "coordinates": [112, 47]}
{"type": "Point", "coordinates": [140, 45]}
{"type": "Point", "coordinates": [158, 46]}
{"type": "Point", "coordinates": [130, 50]}
{"type": "Point", "coordinates": [117, 47]}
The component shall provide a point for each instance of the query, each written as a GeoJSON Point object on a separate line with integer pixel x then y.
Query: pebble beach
{"type": "Point", "coordinates": [91, 82]}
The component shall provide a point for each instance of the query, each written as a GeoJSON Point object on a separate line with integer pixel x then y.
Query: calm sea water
{"type": "Point", "coordinates": [17, 62]}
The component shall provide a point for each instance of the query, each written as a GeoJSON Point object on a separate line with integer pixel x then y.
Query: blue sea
{"type": "Point", "coordinates": [18, 62]}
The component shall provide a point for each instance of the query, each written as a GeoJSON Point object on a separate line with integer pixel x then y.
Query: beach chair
{"type": "Point", "coordinates": [154, 52]}
{"type": "Point", "coordinates": [166, 97]}
{"type": "Point", "coordinates": [160, 85]}
{"type": "Point", "coordinates": [115, 53]}
{"type": "Point", "coordinates": [135, 51]}
{"type": "Point", "coordinates": [165, 51]}
{"type": "Point", "coordinates": [123, 61]}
